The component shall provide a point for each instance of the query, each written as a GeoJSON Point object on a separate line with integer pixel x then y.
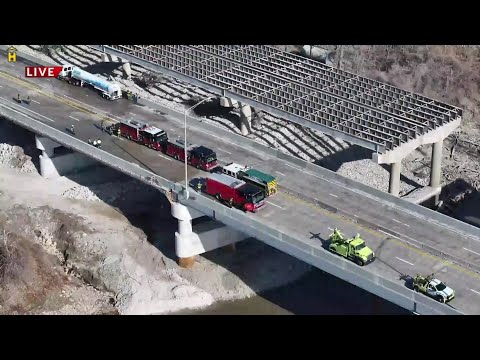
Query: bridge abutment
{"type": "Point", "coordinates": [53, 165]}
{"type": "Point", "coordinates": [211, 235]}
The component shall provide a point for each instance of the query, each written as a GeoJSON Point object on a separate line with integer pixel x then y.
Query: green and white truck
{"type": "Point", "coordinates": [353, 249]}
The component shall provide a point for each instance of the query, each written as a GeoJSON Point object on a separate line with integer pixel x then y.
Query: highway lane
{"type": "Point", "coordinates": [395, 257]}
{"type": "Point", "coordinates": [411, 228]}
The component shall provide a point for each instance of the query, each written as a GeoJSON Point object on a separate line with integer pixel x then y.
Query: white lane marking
{"type": "Point", "coordinates": [296, 168]}
{"type": "Point", "coordinates": [386, 233]}
{"type": "Point", "coordinates": [278, 172]}
{"type": "Point", "coordinates": [172, 129]}
{"type": "Point", "coordinates": [35, 101]}
{"type": "Point", "coordinates": [96, 110]}
{"type": "Point", "coordinates": [355, 215]}
{"type": "Point", "coordinates": [405, 261]}
{"type": "Point", "coordinates": [71, 117]}
{"type": "Point", "coordinates": [165, 157]}
{"type": "Point", "coordinates": [475, 291]}
{"type": "Point", "coordinates": [225, 151]}
{"type": "Point", "coordinates": [471, 251]}
{"type": "Point", "coordinates": [330, 229]}
{"type": "Point", "coordinates": [406, 225]}
{"type": "Point", "coordinates": [275, 205]}
{"type": "Point", "coordinates": [396, 221]}
{"type": "Point", "coordinates": [333, 195]}
{"type": "Point", "coordinates": [316, 199]}
{"type": "Point", "coordinates": [132, 113]}
{"type": "Point", "coordinates": [46, 118]}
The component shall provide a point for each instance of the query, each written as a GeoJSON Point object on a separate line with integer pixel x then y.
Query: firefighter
{"type": "Point", "coordinates": [199, 186]}
{"type": "Point", "coordinates": [28, 99]}
{"type": "Point", "coordinates": [72, 129]}
{"type": "Point", "coordinates": [18, 98]}
{"type": "Point", "coordinates": [90, 141]}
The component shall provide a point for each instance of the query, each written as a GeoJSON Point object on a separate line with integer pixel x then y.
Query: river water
{"type": "Point", "coordinates": [316, 293]}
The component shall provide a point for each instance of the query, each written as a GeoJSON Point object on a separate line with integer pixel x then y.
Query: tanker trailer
{"type": "Point", "coordinates": [76, 76]}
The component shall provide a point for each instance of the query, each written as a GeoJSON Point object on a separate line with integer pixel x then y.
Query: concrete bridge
{"type": "Point", "coordinates": [407, 238]}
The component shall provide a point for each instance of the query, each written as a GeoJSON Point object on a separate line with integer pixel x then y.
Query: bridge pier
{"type": "Point", "coordinates": [210, 235]}
{"type": "Point", "coordinates": [56, 165]}
{"type": "Point", "coordinates": [394, 184]}
{"type": "Point", "coordinates": [436, 169]}
{"type": "Point", "coordinates": [245, 114]}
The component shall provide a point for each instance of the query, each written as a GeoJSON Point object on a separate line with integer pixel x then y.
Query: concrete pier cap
{"type": "Point", "coordinates": [395, 157]}
{"type": "Point", "coordinates": [46, 145]}
{"type": "Point", "coordinates": [431, 137]}
{"type": "Point", "coordinates": [189, 244]}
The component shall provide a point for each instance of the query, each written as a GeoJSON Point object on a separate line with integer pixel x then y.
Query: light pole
{"type": "Point", "coordinates": [185, 141]}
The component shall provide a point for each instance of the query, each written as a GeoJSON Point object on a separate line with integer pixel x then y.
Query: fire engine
{"type": "Point", "coordinates": [234, 192]}
{"type": "Point", "coordinates": [148, 135]}
{"type": "Point", "coordinates": [198, 156]}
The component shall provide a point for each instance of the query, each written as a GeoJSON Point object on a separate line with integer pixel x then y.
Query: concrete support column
{"type": "Point", "coordinates": [245, 119]}
{"type": "Point", "coordinates": [127, 70]}
{"type": "Point", "coordinates": [211, 235]}
{"type": "Point", "coordinates": [436, 169]}
{"type": "Point", "coordinates": [185, 238]}
{"type": "Point", "coordinates": [47, 146]}
{"type": "Point", "coordinates": [394, 185]}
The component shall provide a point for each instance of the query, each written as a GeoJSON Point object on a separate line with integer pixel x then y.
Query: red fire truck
{"type": "Point", "coordinates": [154, 138]}
{"type": "Point", "coordinates": [148, 135]}
{"type": "Point", "coordinates": [235, 192]}
{"type": "Point", "coordinates": [198, 156]}
{"type": "Point", "coordinates": [131, 129]}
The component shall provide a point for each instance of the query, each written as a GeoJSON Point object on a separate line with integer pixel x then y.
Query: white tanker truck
{"type": "Point", "coordinates": [76, 76]}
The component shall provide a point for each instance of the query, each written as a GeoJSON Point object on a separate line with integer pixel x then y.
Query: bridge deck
{"type": "Point", "coordinates": [369, 113]}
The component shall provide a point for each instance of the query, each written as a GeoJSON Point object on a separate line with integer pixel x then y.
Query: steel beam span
{"type": "Point", "coordinates": [362, 111]}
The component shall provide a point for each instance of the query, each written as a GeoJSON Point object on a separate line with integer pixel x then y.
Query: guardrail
{"type": "Point", "coordinates": [309, 252]}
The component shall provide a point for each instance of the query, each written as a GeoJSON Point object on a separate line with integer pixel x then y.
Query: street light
{"type": "Point", "coordinates": [185, 141]}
